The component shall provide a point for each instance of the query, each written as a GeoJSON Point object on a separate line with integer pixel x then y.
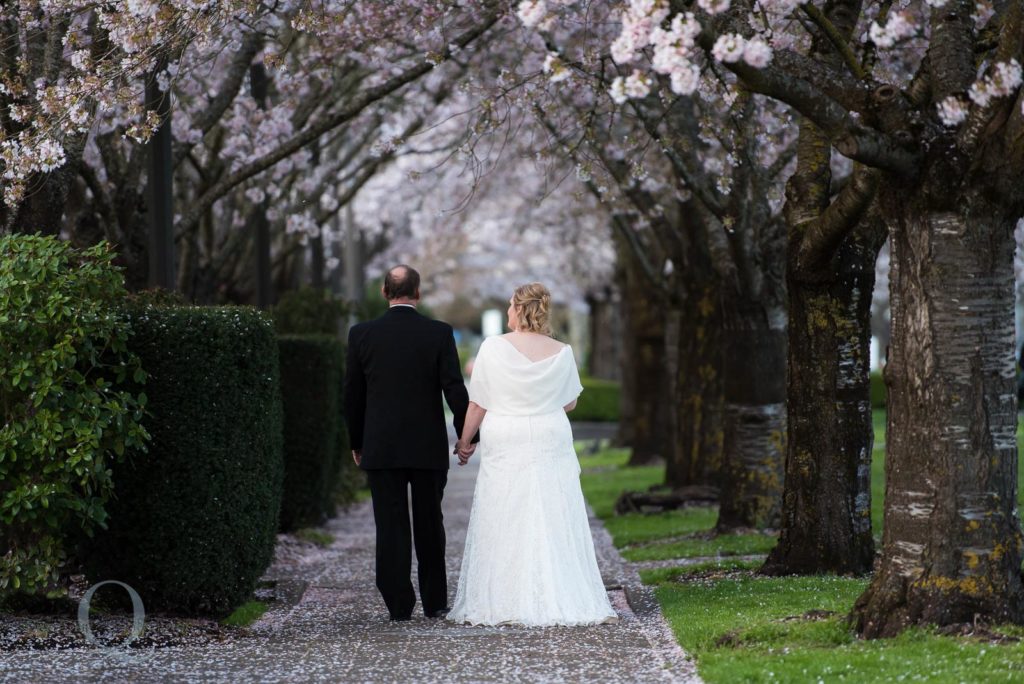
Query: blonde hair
{"type": "Point", "coordinates": [533, 307]}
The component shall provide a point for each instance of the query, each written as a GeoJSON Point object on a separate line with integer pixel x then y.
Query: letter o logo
{"type": "Point", "coordinates": [138, 613]}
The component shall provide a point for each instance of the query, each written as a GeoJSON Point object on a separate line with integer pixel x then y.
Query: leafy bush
{"type": "Point", "coordinates": [157, 296]}
{"type": "Point", "coordinates": [318, 471]}
{"type": "Point", "coordinates": [62, 351]}
{"type": "Point", "coordinates": [599, 401]}
{"type": "Point", "coordinates": [308, 311]}
{"type": "Point", "coordinates": [195, 520]}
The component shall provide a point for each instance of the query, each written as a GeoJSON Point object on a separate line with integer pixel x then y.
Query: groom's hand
{"type": "Point", "coordinates": [357, 456]}
{"type": "Point", "coordinates": [464, 451]}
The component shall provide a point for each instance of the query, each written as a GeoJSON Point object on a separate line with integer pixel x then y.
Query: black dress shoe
{"type": "Point", "coordinates": [401, 618]}
{"type": "Point", "coordinates": [439, 613]}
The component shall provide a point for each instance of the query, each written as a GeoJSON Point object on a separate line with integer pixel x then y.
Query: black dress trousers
{"type": "Point", "coordinates": [395, 537]}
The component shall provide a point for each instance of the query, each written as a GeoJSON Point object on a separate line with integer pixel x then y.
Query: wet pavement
{"type": "Point", "coordinates": [329, 624]}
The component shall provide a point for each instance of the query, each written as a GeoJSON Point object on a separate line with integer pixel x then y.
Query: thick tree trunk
{"type": "Point", "coordinates": [697, 397]}
{"type": "Point", "coordinates": [133, 253]}
{"type": "Point", "coordinates": [605, 335]}
{"type": "Point", "coordinates": [42, 210]}
{"type": "Point", "coordinates": [826, 516]}
{"type": "Point", "coordinates": [952, 540]}
{"type": "Point", "coordinates": [754, 415]}
{"type": "Point", "coordinates": [644, 406]}
{"type": "Point", "coordinates": [318, 263]}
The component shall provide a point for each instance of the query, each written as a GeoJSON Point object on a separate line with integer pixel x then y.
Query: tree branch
{"type": "Point", "coordinates": [1011, 45]}
{"type": "Point", "coordinates": [345, 114]}
{"type": "Point", "coordinates": [822, 237]}
{"type": "Point", "coordinates": [685, 169]}
{"type": "Point", "coordinates": [951, 49]}
{"type": "Point", "coordinates": [852, 139]}
{"type": "Point", "coordinates": [229, 87]}
{"type": "Point", "coordinates": [838, 40]}
{"type": "Point", "coordinates": [103, 202]}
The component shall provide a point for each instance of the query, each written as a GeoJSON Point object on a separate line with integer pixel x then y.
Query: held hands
{"type": "Point", "coordinates": [464, 451]}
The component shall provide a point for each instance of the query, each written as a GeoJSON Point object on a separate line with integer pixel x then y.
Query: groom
{"type": "Point", "coordinates": [398, 367]}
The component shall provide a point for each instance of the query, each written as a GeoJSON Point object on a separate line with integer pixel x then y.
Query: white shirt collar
{"type": "Point", "coordinates": [392, 306]}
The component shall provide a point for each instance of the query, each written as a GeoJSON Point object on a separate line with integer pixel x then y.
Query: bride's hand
{"type": "Point", "coordinates": [464, 450]}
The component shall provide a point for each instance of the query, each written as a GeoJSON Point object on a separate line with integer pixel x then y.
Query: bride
{"type": "Point", "coordinates": [529, 557]}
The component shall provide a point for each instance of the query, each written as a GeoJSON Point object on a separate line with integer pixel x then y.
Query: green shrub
{"type": "Point", "coordinates": [877, 390]}
{"type": "Point", "coordinates": [316, 452]}
{"type": "Point", "coordinates": [308, 311]}
{"type": "Point", "coordinates": [195, 520]}
{"type": "Point", "coordinates": [598, 402]}
{"type": "Point", "coordinates": [157, 296]}
{"type": "Point", "coordinates": [65, 420]}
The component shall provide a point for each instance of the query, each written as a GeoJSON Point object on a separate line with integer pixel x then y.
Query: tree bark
{"type": "Point", "coordinates": [605, 335]}
{"type": "Point", "coordinates": [952, 540]}
{"type": "Point", "coordinates": [644, 407]}
{"type": "Point", "coordinates": [697, 400]}
{"type": "Point", "coordinates": [832, 246]}
{"type": "Point", "coordinates": [42, 210]}
{"type": "Point", "coordinates": [259, 87]}
{"type": "Point", "coordinates": [826, 516]}
{"type": "Point", "coordinates": [754, 415]}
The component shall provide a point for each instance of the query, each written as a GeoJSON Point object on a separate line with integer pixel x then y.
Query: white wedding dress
{"type": "Point", "coordinates": [529, 556]}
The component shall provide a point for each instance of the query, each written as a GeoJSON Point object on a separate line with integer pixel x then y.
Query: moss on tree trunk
{"type": "Point", "coordinates": [826, 519]}
{"type": "Point", "coordinates": [952, 540]}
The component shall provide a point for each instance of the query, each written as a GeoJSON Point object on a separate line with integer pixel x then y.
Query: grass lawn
{"type": "Point", "coordinates": [315, 536]}
{"type": "Point", "coordinates": [744, 628]}
{"type": "Point", "coordinates": [246, 614]}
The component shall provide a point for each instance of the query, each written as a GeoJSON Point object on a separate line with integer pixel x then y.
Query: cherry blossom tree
{"type": "Point", "coordinates": [475, 240]}
{"type": "Point", "coordinates": [698, 188]}
{"type": "Point", "coordinates": [75, 71]}
{"type": "Point", "coordinates": [939, 140]}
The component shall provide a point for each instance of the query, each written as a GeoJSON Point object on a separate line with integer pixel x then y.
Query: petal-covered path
{"type": "Point", "coordinates": [331, 626]}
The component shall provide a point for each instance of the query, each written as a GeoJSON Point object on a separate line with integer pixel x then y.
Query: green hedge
{"type": "Point", "coordinates": [309, 311]}
{"type": "Point", "coordinates": [877, 390]}
{"type": "Point", "coordinates": [194, 521]}
{"type": "Point", "coordinates": [598, 402]}
{"type": "Point", "coordinates": [317, 472]}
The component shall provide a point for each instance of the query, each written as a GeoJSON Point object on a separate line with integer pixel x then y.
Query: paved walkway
{"type": "Point", "coordinates": [331, 626]}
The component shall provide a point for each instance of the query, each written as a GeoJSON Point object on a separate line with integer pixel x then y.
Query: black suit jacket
{"type": "Point", "coordinates": [398, 367]}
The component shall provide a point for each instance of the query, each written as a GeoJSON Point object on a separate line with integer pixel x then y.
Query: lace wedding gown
{"type": "Point", "coordinates": [529, 556]}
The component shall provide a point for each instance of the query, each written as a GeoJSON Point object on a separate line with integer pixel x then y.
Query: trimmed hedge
{"type": "Point", "coordinates": [598, 402]}
{"type": "Point", "coordinates": [316, 451]}
{"type": "Point", "coordinates": [193, 523]}
{"type": "Point", "coordinates": [308, 311]}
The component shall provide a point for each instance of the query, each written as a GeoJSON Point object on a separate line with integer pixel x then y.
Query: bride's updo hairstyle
{"type": "Point", "coordinates": [533, 308]}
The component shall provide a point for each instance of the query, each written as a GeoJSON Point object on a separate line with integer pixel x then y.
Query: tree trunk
{"type": "Point", "coordinates": [754, 415]}
{"type": "Point", "coordinates": [697, 399]}
{"type": "Point", "coordinates": [259, 87]}
{"type": "Point", "coordinates": [160, 189]}
{"type": "Point", "coordinates": [644, 406]}
{"type": "Point", "coordinates": [605, 335]}
{"type": "Point", "coordinates": [42, 210]}
{"type": "Point", "coordinates": [952, 540]}
{"type": "Point", "coordinates": [317, 263]}
{"type": "Point", "coordinates": [826, 514]}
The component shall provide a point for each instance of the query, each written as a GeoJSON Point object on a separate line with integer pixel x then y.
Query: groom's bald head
{"type": "Point", "coordinates": [402, 282]}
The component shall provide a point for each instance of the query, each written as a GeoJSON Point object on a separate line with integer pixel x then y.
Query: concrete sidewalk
{"type": "Point", "coordinates": [329, 625]}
